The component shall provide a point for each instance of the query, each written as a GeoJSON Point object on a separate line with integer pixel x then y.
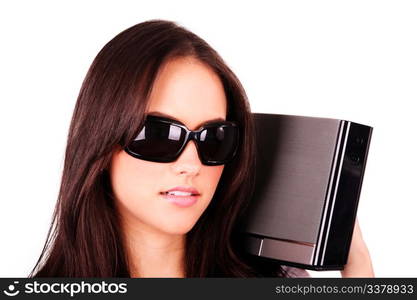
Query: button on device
{"type": "Point", "coordinates": [354, 158]}
{"type": "Point", "coordinates": [359, 140]}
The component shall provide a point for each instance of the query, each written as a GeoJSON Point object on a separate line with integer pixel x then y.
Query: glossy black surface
{"type": "Point", "coordinates": [309, 173]}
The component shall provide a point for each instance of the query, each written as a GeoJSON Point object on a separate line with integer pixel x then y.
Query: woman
{"type": "Point", "coordinates": [132, 204]}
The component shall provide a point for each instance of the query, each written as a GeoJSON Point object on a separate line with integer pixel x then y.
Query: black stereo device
{"type": "Point", "coordinates": [308, 178]}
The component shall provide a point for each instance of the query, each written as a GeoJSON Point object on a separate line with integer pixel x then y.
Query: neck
{"type": "Point", "coordinates": [152, 253]}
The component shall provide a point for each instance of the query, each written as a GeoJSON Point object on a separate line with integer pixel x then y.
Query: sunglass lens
{"type": "Point", "coordinates": [158, 141]}
{"type": "Point", "coordinates": [218, 143]}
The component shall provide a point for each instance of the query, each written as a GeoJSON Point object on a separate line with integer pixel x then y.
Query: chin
{"type": "Point", "coordinates": [179, 229]}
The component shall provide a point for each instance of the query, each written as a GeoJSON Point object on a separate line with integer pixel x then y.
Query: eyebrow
{"type": "Point", "coordinates": [161, 114]}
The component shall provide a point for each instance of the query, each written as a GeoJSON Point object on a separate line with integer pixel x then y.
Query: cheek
{"type": "Point", "coordinates": [211, 179]}
{"type": "Point", "coordinates": [134, 183]}
{"type": "Point", "coordinates": [132, 179]}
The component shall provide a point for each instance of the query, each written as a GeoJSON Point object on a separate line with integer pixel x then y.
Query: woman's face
{"type": "Point", "coordinates": [192, 93]}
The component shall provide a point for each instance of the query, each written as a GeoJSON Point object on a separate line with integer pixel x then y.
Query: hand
{"type": "Point", "coordinates": [359, 262]}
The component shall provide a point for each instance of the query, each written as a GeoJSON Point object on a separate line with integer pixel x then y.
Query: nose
{"type": "Point", "coordinates": [188, 162]}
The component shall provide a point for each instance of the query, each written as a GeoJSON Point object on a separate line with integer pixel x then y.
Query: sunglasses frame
{"type": "Point", "coordinates": [190, 135]}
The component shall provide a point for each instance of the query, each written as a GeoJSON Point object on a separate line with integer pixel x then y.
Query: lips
{"type": "Point", "coordinates": [182, 198]}
{"type": "Point", "coordinates": [184, 189]}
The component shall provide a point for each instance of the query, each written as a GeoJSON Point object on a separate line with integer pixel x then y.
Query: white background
{"type": "Point", "coordinates": [353, 60]}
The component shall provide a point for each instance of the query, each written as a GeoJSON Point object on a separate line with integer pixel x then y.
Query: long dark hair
{"type": "Point", "coordinates": [84, 239]}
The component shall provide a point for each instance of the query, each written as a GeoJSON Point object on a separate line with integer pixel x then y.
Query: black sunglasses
{"type": "Point", "coordinates": [163, 140]}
